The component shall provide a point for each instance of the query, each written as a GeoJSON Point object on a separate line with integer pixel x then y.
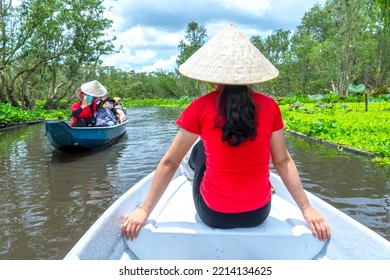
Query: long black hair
{"type": "Point", "coordinates": [236, 114]}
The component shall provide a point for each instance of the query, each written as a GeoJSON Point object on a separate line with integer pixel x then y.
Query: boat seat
{"type": "Point", "coordinates": [171, 234]}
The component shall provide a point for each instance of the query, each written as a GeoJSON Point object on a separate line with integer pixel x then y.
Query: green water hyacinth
{"type": "Point", "coordinates": [347, 124]}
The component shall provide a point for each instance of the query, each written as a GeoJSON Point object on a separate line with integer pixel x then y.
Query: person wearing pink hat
{"type": "Point", "coordinates": [84, 111]}
{"type": "Point", "coordinates": [240, 132]}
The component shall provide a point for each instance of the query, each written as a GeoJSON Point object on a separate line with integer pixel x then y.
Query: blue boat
{"type": "Point", "coordinates": [63, 137]}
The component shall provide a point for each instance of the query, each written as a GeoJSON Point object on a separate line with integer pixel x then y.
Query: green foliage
{"type": "Point", "coordinates": [293, 99]}
{"type": "Point", "coordinates": [194, 39]}
{"type": "Point", "coordinates": [56, 45]}
{"type": "Point", "coordinates": [170, 102]}
{"type": "Point", "coordinates": [382, 160]}
{"type": "Point", "coordinates": [347, 124]}
{"type": "Point", "coordinates": [356, 89]}
{"type": "Point", "coordinates": [384, 6]}
{"type": "Point", "coordinates": [10, 115]}
{"type": "Point", "coordinates": [48, 46]}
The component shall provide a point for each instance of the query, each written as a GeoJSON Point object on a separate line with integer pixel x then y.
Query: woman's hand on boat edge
{"type": "Point", "coordinates": [133, 222]}
{"type": "Point", "coordinates": [317, 223]}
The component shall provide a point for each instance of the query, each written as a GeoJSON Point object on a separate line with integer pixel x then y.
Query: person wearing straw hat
{"type": "Point", "coordinates": [119, 108]}
{"type": "Point", "coordinates": [89, 96]}
{"type": "Point", "coordinates": [240, 131]}
{"type": "Point", "coordinates": [118, 103]}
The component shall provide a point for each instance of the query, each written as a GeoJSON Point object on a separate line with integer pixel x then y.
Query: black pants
{"type": "Point", "coordinates": [214, 218]}
{"type": "Point", "coordinates": [84, 122]}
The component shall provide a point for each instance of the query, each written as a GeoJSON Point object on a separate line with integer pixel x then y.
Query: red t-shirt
{"type": "Point", "coordinates": [236, 178]}
{"type": "Point", "coordinates": [85, 113]}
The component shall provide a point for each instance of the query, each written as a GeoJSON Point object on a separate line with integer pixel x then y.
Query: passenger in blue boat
{"type": "Point", "coordinates": [118, 103]}
{"type": "Point", "coordinates": [241, 131]}
{"type": "Point", "coordinates": [119, 108]}
{"type": "Point", "coordinates": [89, 97]}
{"type": "Point", "coordinates": [107, 115]}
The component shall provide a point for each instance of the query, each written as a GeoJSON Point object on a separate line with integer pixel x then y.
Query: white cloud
{"type": "Point", "coordinates": [140, 37]}
{"type": "Point", "coordinates": [149, 31]}
{"type": "Point", "coordinates": [256, 7]}
{"type": "Point", "coordinates": [161, 64]}
{"type": "Point", "coordinates": [127, 59]}
{"type": "Point", "coordinates": [141, 46]}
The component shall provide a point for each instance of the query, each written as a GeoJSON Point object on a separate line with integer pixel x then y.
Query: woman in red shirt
{"type": "Point", "coordinates": [241, 131]}
{"type": "Point", "coordinates": [224, 197]}
{"type": "Point", "coordinates": [84, 111]}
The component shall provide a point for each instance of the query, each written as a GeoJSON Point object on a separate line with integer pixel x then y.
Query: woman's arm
{"type": "Point", "coordinates": [133, 222]}
{"type": "Point", "coordinates": [288, 172]}
{"type": "Point", "coordinates": [77, 109]}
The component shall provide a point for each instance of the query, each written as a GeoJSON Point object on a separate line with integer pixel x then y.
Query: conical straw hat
{"type": "Point", "coordinates": [229, 58]}
{"type": "Point", "coordinates": [92, 88]}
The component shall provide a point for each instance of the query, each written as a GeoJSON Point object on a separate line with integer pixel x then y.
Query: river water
{"type": "Point", "coordinates": [49, 199]}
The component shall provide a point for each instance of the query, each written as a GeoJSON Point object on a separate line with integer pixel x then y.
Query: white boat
{"type": "Point", "coordinates": [174, 231]}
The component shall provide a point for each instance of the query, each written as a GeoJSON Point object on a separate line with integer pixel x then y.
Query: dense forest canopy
{"type": "Point", "coordinates": [48, 48]}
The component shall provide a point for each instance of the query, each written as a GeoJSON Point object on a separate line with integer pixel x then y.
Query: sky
{"type": "Point", "coordinates": [148, 32]}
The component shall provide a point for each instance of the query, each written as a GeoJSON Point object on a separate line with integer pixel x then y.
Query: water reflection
{"type": "Point", "coordinates": [88, 174]}
{"type": "Point", "coordinates": [49, 199]}
{"type": "Point", "coordinates": [350, 182]}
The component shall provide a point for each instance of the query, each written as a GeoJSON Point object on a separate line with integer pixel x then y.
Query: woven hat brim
{"type": "Point", "coordinates": [77, 94]}
{"type": "Point", "coordinates": [94, 88]}
{"type": "Point", "coordinates": [229, 58]}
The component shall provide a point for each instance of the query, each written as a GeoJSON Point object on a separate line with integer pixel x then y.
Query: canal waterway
{"type": "Point", "coordinates": [49, 199]}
